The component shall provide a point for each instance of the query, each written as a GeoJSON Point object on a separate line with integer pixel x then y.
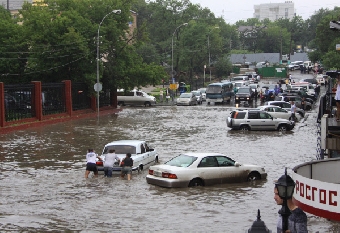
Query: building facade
{"type": "Point", "coordinates": [274, 11]}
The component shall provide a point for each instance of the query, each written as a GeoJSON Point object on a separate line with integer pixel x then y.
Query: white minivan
{"type": "Point", "coordinates": [135, 97]}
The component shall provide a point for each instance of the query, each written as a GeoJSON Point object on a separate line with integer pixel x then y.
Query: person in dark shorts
{"type": "Point", "coordinates": [127, 167]}
{"type": "Point", "coordinates": [91, 163]}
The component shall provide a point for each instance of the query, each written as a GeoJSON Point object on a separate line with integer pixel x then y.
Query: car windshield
{"type": "Point", "coordinates": [120, 149]}
{"type": "Point", "coordinates": [253, 86]}
{"type": "Point", "coordinates": [185, 95]}
{"type": "Point", "coordinates": [202, 90]}
{"type": "Point", "coordinates": [182, 161]}
{"type": "Point", "coordinates": [237, 78]}
{"type": "Point", "coordinates": [243, 90]}
{"type": "Point", "coordinates": [214, 89]}
{"type": "Point", "coordinates": [197, 93]}
{"type": "Point", "coordinates": [238, 84]}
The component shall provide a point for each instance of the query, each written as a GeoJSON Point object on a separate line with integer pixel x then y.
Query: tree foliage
{"type": "Point", "coordinates": [57, 40]}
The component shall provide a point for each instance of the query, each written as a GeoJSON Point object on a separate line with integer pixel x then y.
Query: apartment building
{"type": "Point", "coordinates": [274, 11]}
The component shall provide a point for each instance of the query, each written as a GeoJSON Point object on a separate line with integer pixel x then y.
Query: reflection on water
{"type": "Point", "coordinates": [43, 188]}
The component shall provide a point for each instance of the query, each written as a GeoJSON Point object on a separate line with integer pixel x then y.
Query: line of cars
{"type": "Point", "coordinates": [185, 170]}
{"type": "Point", "coordinates": [192, 98]}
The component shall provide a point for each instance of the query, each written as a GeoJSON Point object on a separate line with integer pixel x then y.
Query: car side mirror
{"type": "Point", "coordinates": [237, 164]}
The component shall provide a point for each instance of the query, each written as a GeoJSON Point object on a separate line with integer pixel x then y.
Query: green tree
{"type": "Point", "coordinates": [13, 49]}
{"type": "Point", "coordinates": [223, 67]}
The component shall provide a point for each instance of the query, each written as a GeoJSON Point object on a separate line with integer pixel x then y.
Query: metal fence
{"type": "Point", "coordinates": [105, 98]}
{"type": "Point", "coordinates": [19, 103]}
{"type": "Point", "coordinates": [80, 96]}
{"type": "Point", "coordinates": [53, 98]}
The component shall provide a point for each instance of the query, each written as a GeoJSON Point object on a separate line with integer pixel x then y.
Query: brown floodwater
{"type": "Point", "coordinates": [43, 188]}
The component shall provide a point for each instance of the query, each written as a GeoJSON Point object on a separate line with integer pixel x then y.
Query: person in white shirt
{"type": "Point", "coordinates": [293, 111]}
{"type": "Point", "coordinates": [91, 163]}
{"type": "Point", "coordinates": [110, 159]}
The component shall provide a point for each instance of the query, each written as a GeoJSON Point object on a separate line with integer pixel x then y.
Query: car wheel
{"type": "Point", "coordinates": [244, 128]}
{"type": "Point", "coordinates": [196, 182]}
{"type": "Point", "coordinates": [254, 176]}
{"type": "Point", "coordinates": [308, 108]}
{"type": "Point", "coordinates": [208, 103]}
{"type": "Point", "coordinates": [282, 128]}
{"type": "Point", "coordinates": [121, 103]}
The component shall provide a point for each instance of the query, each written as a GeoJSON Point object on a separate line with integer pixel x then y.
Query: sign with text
{"type": "Point", "coordinates": [173, 86]}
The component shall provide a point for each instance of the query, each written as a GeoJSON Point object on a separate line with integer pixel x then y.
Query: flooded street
{"type": "Point", "coordinates": [43, 188]}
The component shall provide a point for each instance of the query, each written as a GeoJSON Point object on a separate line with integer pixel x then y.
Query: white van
{"type": "Point", "coordinates": [134, 97]}
{"type": "Point", "coordinates": [308, 64]}
{"type": "Point", "coordinates": [239, 78]}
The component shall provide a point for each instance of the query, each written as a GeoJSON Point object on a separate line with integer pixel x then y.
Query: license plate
{"type": "Point", "coordinates": [157, 173]}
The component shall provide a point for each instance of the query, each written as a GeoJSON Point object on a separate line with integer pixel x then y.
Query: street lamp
{"type": "Point", "coordinates": [172, 51]}
{"type": "Point", "coordinates": [259, 225]}
{"type": "Point", "coordinates": [98, 88]}
{"type": "Point", "coordinates": [285, 187]}
{"type": "Point", "coordinates": [209, 51]}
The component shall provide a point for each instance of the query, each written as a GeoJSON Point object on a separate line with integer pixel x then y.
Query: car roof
{"type": "Point", "coordinates": [126, 142]}
{"type": "Point", "coordinates": [277, 101]}
{"type": "Point", "coordinates": [201, 154]}
{"type": "Point", "coordinates": [267, 106]}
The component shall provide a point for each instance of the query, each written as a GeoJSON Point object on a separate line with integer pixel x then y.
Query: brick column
{"type": "Point", "coordinates": [2, 105]}
{"type": "Point", "coordinates": [68, 96]}
{"type": "Point", "coordinates": [38, 100]}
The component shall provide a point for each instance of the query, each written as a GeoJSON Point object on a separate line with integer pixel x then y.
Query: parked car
{"type": "Point", "coordinates": [239, 78]}
{"type": "Point", "coordinates": [285, 105]}
{"type": "Point", "coordinates": [313, 81]}
{"type": "Point", "coordinates": [300, 92]}
{"type": "Point", "coordinates": [199, 97]}
{"type": "Point", "coordinates": [252, 77]}
{"type": "Point", "coordinates": [297, 100]}
{"type": "Point", "coordinates": [257, 120]}
{"type": "Point", "coordinates": [134, 97]}
{"type": "Point", "coordinates": [322, 79]}
{"type": "Point", "coordinates": [254, 87]}
{"type": "Point", "coordinates": [203, 90]}
{"type": "Point", "coordinates": [187, 99]}
{"type": "Point", "coordinates": [261, 64]}
{"type": "Point", "coordinates": [276, 111]}
{"type": "Point", "coordinates": [244, 94]}
{"type": "Point", "coordinates": [143, 156]}
{"type": "Point", "coordinates": [291, 66]}
{"type": "Point", "coordinates": [202, 169]}
{"type": "Point", "coordinates": [239, 84]}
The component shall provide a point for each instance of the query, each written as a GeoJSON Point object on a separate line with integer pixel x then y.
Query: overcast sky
{"type": "Point", "coordinates": [233, 11]}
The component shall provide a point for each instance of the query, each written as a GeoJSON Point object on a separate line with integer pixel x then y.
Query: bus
{"type": "Point", "coordinates": [219, 92]}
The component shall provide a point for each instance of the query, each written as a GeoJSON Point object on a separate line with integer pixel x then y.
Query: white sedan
{"type": "Point", "coordinates": [201, 169]}
{"type": "Point", "coordinates": [143, 156]}
{"type": "Point", "coordinates": [276, 111]}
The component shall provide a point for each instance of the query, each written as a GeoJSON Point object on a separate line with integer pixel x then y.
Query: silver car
{"type": "Point", "coordinates": [202, 169]}
{"type": "Point", "coordinates": [199, 96]}
{"type": "Point", "coordinates": [203, 91]}
{"type": "Point", "coordinates": [187, 99]}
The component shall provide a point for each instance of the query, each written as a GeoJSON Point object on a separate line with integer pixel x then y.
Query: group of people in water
{"type": "Point", "coordinates": [110, 159]}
